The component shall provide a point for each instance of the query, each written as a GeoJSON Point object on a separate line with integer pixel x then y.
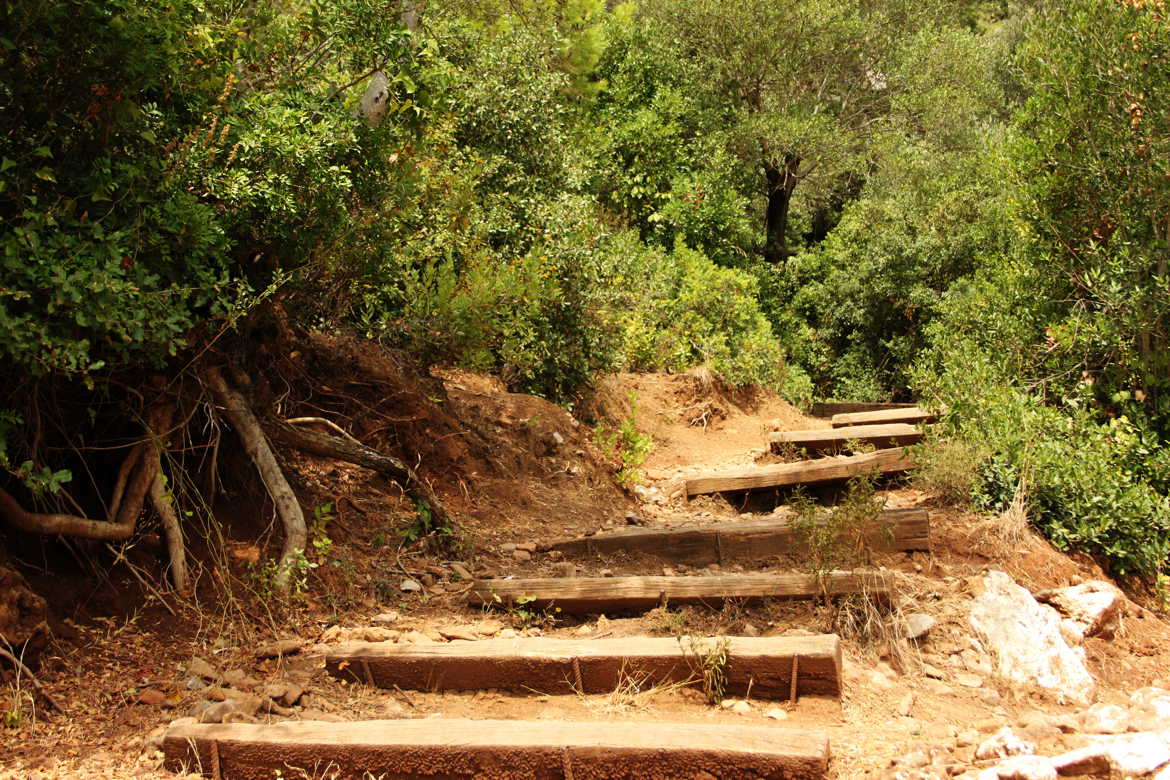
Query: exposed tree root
{"type": "Point", "coordinates": [163, 502]}
{"type": "Point", "coordinates": [353, 451]}
{"type": "Point", "coordinates": [239, 413]}
{"type": "Point", "coordinates": [134, 477]}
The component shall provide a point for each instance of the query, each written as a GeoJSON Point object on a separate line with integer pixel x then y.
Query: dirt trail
{"type": "Point", "coordinates": [542, 478]}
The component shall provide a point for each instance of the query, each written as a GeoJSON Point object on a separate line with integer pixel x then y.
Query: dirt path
{"type": "Point", "coordinates": [917, 701]}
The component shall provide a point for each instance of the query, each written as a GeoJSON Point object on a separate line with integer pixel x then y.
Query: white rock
{"type": "Point", "coordinates": [917, 625]}
{"type": "Point", "coordinates": [776, 713]}
{"type": "Point", "coordinates": [1002, 744]}
{"type": "Point", "coordinates": [1094, 606]}
{"type": "Point", "coordinates": [1135, 754]}
{"type": "Point", "coordinates": [1105, 719]}
{"type": "Point", "coordinates": [410, 586]}
{"type": "Point", "coordinates": [1026, 768]}
{"type": "Point", "coordinates": [741, 707]}
{"type": "Point", "coordinates": [1089, 760]}
{"type": "Point", "coordinates": [1024, 638]}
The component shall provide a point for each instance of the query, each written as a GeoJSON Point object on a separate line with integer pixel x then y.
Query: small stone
{"type": "Point", "coordinates": [216, 712]}
{"type": "Point", "coordinates": [508, 547]}
{"type": "Point", "coordinates": [414, 638]}
{"type": "Point", "coordinates": [292, 694]}
{"type": "Point", "coordinates": [387, 617]}
{"type": "Point", "coordinates": [727, 703]}
{"type": "Point", "coordinates": [522, 555]}
{"type": "Point", "coordinates": [459, 632]}
{"type": "Point", "coordinates": [234, 676]}
{"type": "Point", "coordinates": [741, 707]}
{"type": "Point", "coordinates": [508, 633]}
{"type": "Point", "coordinates": [280, 647]}
{"type": "Point", "coordinates": [151, 697]}
{"type": "Point", "coordinates": [933, 671]}
{"type": "Point", "coordinates": [667, 571]}
{"type": "Point", "coordinates": [461, 570]}
{"type": "Point", "coordinates": [195, 683]}
{"type": "Point", "coordinates": [967, 738]}
{"type": "Point", "coordinates": [749, 629]}
{"type": "Point", "coordinates": [776, 713]}
{"type": "Point", "coordinates": [565, 569]}
{"type": "Point", "coordinates": [410, 586]}
{"type": "Point", "coordinates": [989, 696]}
{"type": "Point", "coordinates": [555, 555]}
{"type": "Point", "coordinates": [427, 579]}
{"type": "Point", "coordinates": [1105, 719]}
{"type": "Point", "coordinates": [200, 668]}
{"type": "Point", "coordinates": [905, 704]}
{"type": "Point", "coordinates": [968, 680]}
{"type": "Point", "coordinates": [528, 547]}
{"type": "Point", "coordinates": [917, 625]}
{"type": "Point", "coordinates": [1002, 744]}
{"type": "Point", "coordinates": [557, 438]}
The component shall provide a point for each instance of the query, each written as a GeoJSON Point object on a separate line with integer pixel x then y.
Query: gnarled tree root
{"type": "Point", "coordinates": [352, 451]}
{"type": "Point", "coordinates": [240, 415]}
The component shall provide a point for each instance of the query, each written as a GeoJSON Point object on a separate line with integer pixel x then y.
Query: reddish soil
{"type": "Point", "coordinates": [518, 469]}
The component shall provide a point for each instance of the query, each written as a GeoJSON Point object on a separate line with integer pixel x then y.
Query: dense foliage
{"type": "Point", "coordinates": [964, 201]}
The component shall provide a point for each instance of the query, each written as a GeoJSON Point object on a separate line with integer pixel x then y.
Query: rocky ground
{"type": "Point", "coordinates": [1002, 658]}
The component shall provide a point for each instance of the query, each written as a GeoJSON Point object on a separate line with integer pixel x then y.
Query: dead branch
{"type": "Point", "coordinates": [20, 667]}
{"type": "Point", "coordinates": [352, 451]}
{"type": "Point", "coordinates": [322, 421]}
{"type": "Point", "coordinates": [256, 446]}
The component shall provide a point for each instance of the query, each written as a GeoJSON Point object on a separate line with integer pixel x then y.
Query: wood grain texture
{"type": "Point", "coordinates": [830, 408]}
{"type": "Point", "coordinates": [806, 472]}
{"type": "Point", "coordinates": [751, 540]}
{"type": "Point", "coordinates": [558, 666]}
{"type": "Point", "coordinates": [836, 440]}
{"type": "Point", "coordinates": [497, 749]}
{"type": "Point", "coordinates": [911, 416]}
{"type": "Point", "coordinates": [578, 595]}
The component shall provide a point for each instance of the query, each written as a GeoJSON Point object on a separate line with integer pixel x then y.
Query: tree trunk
{"type": "Point", "coordinates": [239, 413]}
{"type": "Point", "coordinates": [353, 451]}
{"type": "Point", "coordinates": [781, 184]}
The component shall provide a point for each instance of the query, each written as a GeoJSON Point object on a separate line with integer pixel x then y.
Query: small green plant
{"type": "Point", "coordinates": [322, 516]}
{"type": "Point", "coordinates": [840, 537]}
{"type": "Point", "coordinates": [265, 575]}
{"type": "Point", "coordinates": [710, 660]}
{"type": "Point", "coordinates": [626, 445]}
{"type": "Point", "coordinates": [526, 614]}
{"type": "Point", "coordinates": [423, 526]}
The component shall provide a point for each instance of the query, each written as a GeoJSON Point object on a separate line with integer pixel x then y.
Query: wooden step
{"type": "Point", "coordinates": [582, 595]}
{"type": "Point", "coordinates": [751, 540]}
{"type": "Point", "coordinates": [830, 408]}
{"type": "Point", "coordinates": [441, 748]}
{"type": "Point", "coordinates": [541, 665]}
{"type": "Point", "coordinates": [806, 472]}
{"type": "Point", "coordinates": [836, 440]}
{"type": "Point", "coordinates": [911, 416]}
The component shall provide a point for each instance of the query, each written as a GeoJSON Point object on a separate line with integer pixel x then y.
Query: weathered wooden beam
{"type": "Point", "coordinates": [911, 416]}
{"type": "Point", "coordinates": [751, 540]}
{"type": "Point", "coordinates": [578, 595]}
{"type": "Point", "coordinates": [762, 665]}
{"type": "Point", "coordinates": [830, 408]}
{"type": "Point", "coordinates": [493, 749]}
{"type": "Point", "coordinates": [806, 472]}
{"type": "Point", "coordinates": [836, 440]}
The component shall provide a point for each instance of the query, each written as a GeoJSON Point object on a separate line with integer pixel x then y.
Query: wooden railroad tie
{"type": "Point", "coordinates": [493, 749]}
{"type": "Point", "coordinates": [766, 665]}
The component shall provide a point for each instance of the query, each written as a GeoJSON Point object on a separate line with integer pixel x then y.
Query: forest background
{"type": "Point", "coordinates": [960, 202]}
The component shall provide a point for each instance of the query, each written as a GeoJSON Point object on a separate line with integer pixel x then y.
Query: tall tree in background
{"type": "Point", "coordinates": [806, 80]}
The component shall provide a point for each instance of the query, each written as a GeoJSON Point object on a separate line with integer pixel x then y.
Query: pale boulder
{"type": "Point", "coordinates": [1025, 640]}
{"type": "Point", "coordinates": [1093, 607]}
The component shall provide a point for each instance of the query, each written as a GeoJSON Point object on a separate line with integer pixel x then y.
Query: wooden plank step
{"type": "Point", "coordinates": [578, 595]}
{"type": "Point", "coordinates": [457, 748]}
{"type": "Point", "coordinates": [559, 666]}
{"type": "Point", "coordinates": [835, 439]}
{"type": "Point", "coordinates": [751, 540]}
{"type": "Point", "coordinates": [911, 416]}
{"type": "Point", "coordinates": [806, 472]}
{"type": "Point", "coordinates": [830, 408]}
